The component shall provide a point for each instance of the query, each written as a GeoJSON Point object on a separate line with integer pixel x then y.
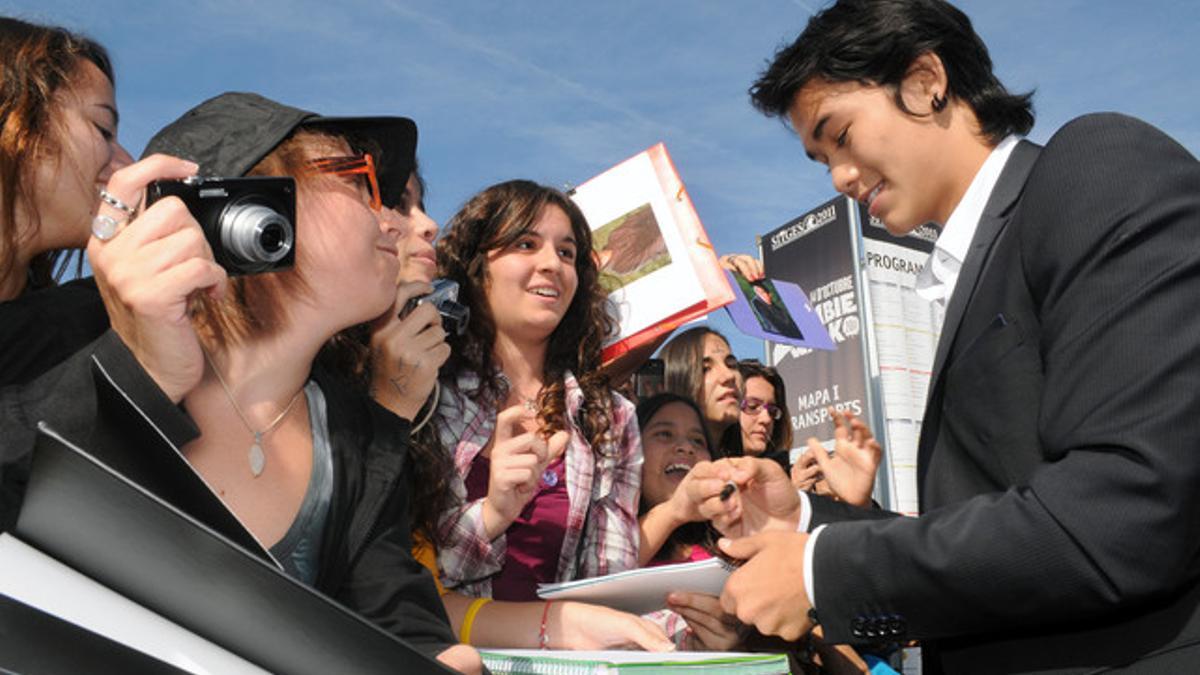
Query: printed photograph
{"type": "Point", "coordinates": [629, 247]}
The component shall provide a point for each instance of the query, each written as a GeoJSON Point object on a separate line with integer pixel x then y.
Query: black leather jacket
{"type": "Point", "coordinates": [104, 401]}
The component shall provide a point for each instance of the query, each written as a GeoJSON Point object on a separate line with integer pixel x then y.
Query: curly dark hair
{"type": "Point", "coordinates": [494, 219]}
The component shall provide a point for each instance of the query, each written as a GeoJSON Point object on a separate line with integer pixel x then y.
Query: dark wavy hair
{"type": "Point", "coordinates": [781, 435]}
{"type": "Point", "coordinates": [689, 534]}
{"type": "Point", "coordinates": [494, 219]}
{"type": "Point", "coordinates": [36, 61]}
{"type": "Point", "coordinates": [873, 42]}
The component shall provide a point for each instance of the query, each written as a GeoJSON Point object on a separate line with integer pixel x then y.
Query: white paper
{"type": "Point", "coordinates": [35, 579]}
{"type": "Point", "coordinates": [643, 590]}
{"type": "Point", "coordinates": [665, 291]}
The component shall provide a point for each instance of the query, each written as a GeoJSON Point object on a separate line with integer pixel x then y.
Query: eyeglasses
{"type": "Point", "coordinates": [353, 165]}
{"type": "Point", "coordinates": [752, 406]}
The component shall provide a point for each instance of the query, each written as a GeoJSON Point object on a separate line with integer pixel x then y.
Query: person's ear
{"type": "Point", "coordinates": [924, 87]}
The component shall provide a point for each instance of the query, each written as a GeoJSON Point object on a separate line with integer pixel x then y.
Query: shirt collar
{"type": "Point", "coordinates": [937, 278]}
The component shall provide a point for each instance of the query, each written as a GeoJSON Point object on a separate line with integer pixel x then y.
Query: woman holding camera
{"type": "Point", "coordinates": [225, 366]}
{"type": "Point", "coordinates": [58, 146]}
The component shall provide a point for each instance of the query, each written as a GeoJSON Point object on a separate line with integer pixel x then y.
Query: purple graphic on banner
{"type": "Point", "coordinates": [776, 310]}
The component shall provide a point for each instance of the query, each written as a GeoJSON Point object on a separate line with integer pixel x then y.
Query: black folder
{"type": "Point", "coordinates": [81, 512]}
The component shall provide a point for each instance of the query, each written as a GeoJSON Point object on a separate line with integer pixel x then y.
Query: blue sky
{"type": "Point", "coordinates": [559, 91]}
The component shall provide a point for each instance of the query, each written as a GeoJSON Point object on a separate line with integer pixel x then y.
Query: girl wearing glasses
{"type": "Point", "coordinates": [226, 366]}
{"type": "Point", "coordinates": [763, 428]}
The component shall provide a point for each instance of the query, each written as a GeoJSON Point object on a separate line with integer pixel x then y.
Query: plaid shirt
{"type": "Point", "coordinates": [602, 489]}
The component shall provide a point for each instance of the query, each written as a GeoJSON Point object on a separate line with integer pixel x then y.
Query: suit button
{"type": "Point", "coordinates": [858, 627]}
{"type": "Point", "coordinates": [896, 625]}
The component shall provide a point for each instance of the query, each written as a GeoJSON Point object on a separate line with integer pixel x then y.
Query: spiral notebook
{"type": "Point", "coordinates": [542, 662]}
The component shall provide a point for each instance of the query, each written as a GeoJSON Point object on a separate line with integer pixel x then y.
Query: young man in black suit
{"type": "Point", "coordinates": [1059, 462]}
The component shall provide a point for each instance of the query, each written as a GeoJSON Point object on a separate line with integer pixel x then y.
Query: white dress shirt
{"type": "Point", "coordinates": [935, 283]}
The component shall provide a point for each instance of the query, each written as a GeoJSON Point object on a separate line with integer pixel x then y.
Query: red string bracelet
{"type": "Point", "coordinates": [543, 638]}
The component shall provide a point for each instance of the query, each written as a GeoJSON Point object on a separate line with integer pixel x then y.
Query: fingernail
{"type": "Point", "coordinates": [724, 543]}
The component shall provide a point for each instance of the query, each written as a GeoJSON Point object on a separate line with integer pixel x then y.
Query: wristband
{"type": "Point", "coordinates": [469, 619]}
{"type": "Point", "coordinates": [543, 638]}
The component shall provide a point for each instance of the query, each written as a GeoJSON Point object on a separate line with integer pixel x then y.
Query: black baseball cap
{"type": "Point", "coordinates": [230, 133]}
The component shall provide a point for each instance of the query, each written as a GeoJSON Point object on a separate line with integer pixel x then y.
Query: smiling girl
{"type": "Point", "coordinates": [548, 457]}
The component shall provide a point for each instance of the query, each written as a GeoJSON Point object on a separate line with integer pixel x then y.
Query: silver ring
{"type": "Point", "coordinates": [112, 201]}
{"type": "Point", "coordinates": [104, 227]}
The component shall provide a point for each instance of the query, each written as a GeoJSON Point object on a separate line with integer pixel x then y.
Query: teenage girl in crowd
{"type": "Point", "coordinates": [58, 146]}
{"type": "Point", "coordinates": [405, 361]}
{"type": "Point", "coordinates": [699, 365]}
{"type": "Point", "coordinates": [225, 367]}
{"type": "Point", "coordinates": [763, 428]}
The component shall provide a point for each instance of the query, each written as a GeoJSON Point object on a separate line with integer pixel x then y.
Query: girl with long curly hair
{"type": "Point", "coordinates": [547, 456]}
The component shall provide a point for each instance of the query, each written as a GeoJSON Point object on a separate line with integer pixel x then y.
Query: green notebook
{"type": "Point", "coordinates": [546, 662]}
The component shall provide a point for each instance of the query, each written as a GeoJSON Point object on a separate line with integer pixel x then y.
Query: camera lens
{"type": "Point", "coordinates": [256, 233]}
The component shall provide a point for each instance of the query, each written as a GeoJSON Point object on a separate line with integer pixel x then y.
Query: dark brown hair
{"type": "Point", "coordinates": [37, 62]}
{"type": "Point", "coordinates": [494, 219]}
{"type": "Point", "coordinates": [688, 534]}
{"type": "Point", "coordinates": [683, 362]}
{"type": "Point", "coordinates": [781, 435]}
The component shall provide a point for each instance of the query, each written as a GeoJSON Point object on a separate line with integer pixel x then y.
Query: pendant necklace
{"type": "Point", "coordinates": [257, 457]}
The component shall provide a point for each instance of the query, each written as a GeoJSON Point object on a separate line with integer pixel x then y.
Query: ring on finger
{"type": "Point", "coordinates": [110, 199]}
{"type": "Point", "coordinates": [105, 227]}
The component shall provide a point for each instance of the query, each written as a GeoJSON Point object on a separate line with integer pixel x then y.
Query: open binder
{"type": "Point", "coordinates": [655, 257]}
{"type": "Point", "coordinates": [117, 535]}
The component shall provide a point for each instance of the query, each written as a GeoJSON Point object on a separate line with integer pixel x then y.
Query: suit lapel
{"type": "Point", "coordinates": [995, 215]}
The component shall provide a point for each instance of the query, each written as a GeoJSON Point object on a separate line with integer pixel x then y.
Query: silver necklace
{"type": "Point", "coordinates": [257, 457]}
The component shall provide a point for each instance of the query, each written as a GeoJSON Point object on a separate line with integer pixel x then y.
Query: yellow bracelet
{"type": "Point", "coordinates": [469, 619]}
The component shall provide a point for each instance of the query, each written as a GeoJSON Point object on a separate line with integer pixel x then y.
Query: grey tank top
{"type": "Point", "coordinates": [299, 550]}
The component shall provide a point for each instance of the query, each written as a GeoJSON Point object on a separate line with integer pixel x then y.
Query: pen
{"type": "Point", "coordinates": [728, 490]}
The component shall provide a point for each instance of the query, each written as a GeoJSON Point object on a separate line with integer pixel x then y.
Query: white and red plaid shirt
{"type": "Point", "coordinates": [602, 488]}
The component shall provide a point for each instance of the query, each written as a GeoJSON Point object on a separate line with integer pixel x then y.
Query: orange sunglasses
{"type": "Point", "coordinates": [352, 165]}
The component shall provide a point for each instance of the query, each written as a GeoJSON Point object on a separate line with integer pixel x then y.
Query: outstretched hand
{"type": "Point", "coordinates": [849, 473]}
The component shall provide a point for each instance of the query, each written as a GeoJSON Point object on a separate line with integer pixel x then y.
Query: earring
{"type": "Point", "coordinates": [939, 103]}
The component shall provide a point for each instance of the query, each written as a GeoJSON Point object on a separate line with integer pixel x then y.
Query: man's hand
{"type": "Point", "coordinates": [764, 499]}
{"type": "Point", "coordinates": [768, 591]}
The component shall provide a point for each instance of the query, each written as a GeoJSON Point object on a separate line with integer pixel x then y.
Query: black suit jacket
{"type": "Point", "coordinates": [1059, 461]}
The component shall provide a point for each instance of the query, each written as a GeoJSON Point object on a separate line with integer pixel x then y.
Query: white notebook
{"type": "Point", "coordinates": [643, 590]}
{"type": "Point", "coordinates": [553, 662]}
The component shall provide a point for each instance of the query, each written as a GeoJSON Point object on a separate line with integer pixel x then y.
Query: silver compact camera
{"type": "Point", "coordinates": [445, 298]}
{"type": "Point", "coordinates": [249, 222]}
